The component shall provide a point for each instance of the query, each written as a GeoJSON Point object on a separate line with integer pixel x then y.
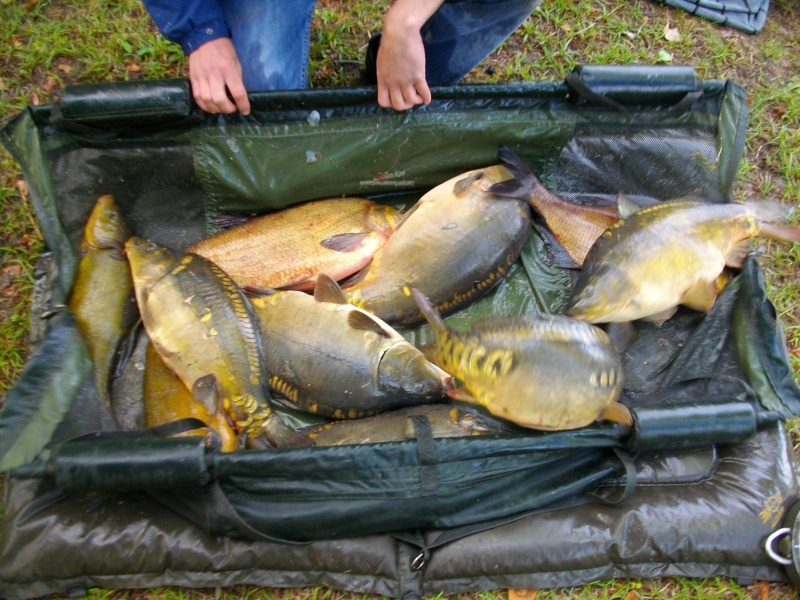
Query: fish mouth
{"type": "Point", "coordinates": [403, 367]}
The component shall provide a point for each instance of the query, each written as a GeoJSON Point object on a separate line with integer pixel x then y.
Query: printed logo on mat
{"type": "Point", "coordinates": [773, 511]}
{"type": "Point", "coordinates": [389, 178]}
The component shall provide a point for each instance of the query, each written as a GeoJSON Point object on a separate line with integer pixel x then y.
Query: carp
{"type": "Point", "coordinates": [201, 324]}
{"type": "Point", "coordinates": [445, 420]}
{"type": "Point", "coordinates": [576, 227]}
{"type": "Point", "coordinates": [549, 373]}
{"type": "Point", "coordinates": [289, 248]}
{"type": "Point", "coordinates": [455, 244]}
{"type": "Point", "coordinates": [330, 358]}
{"type": "Point", "coordinates": [167, 399]}
{"type": "Point", "coordinates": [673, 253]}
{"type": "Point", "coordinates": [102, 295]}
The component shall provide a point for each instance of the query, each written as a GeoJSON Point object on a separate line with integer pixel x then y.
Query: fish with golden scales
{"type": "Point", "coordinates": [167, 399]}
{"type": "Point", "coordinates": [330, 358]}
{"type": "Point", "coordinates": [674, 253]}
{"type": "Point", "coordinates": [101, 297]}
{"type": "Point", "coordinates": [576, 227]}
{"type": "Point", "coordinates": [201, 324]}
{"type": "Point", "coordinates": [455, 244]}
{"type": "Point", "coordinates": [540, 372]}
{"type": "Point", "coordinates": [444, 420]}
{"type": "Point", "coordinates": [287, 249]}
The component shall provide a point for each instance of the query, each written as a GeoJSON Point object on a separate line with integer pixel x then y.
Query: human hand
{"type": "Point", "coordinates": [214, 70]}
{"type": "Point", "coordinates": [400, 67]}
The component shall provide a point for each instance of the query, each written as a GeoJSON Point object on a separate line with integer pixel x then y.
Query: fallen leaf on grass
{"type": "Point", "coordinates": [671, 34]}
{"type": "Point", "coordinates": [132, 68]}
{"type": "Point", "coordinates": [22, 188]}
{"type": "Point", "coordinates": [7, 275]}
{"type": "Point", "coordinates": [65, 68]}
{"type": "Point", "coordinates": [664, 56]}
{"type": "Point", "coordinates": [515, 594]}
{"type": "Point", "coordinates": [50, 83]}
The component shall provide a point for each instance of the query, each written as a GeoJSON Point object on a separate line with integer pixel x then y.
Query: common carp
{"type": "Point", "coordinates": [201, 324]}
{"type": "Point", "coordinates": [167, 399]}
{"type": "Point", "coordinates": [330, 358]}
{"type": "Point", "coordinates": [102, 295]}
{"type": "Point", "coordinates": [669, 254]}
{"type": "Point", "coordinates": [548, 373]}
{"type": "Point", "coordinates": [455, 244]}
{"type": "Point", "coordinates": [289, 248]}
{"type": "Point", "coordinates": [445, 420]}
{"type": "Point", "coordinates": [576, 227]}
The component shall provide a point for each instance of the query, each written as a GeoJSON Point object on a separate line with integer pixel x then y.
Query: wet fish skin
{"type": "Point", "coordinates": [290, 247]}
{"type": "Point", "coordinates": [330, 358]}
{"type": "Point", "coordinates": [548, 373]}
{"type": "Point", "coordinates": [201, 324]}
{"type": "Point", "coordinates": [446, 420]}
{"type": "Point", "coordinates": [101, 297]}
{"type": "Point", "coordinates": [575, 226]}
{"type": "Point", "coordinates": [456, 244]}
{"type": "Point", "coordinates": [670, 254]}
{"type": "Point", "coordinates": [167, 399]}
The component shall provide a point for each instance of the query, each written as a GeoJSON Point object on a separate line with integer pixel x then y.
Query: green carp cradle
{"type": "Point", "coordinates": [202, 325]}
{"type": "Point", "coordinates": [330, 358]}
{"type": "Point", "coordinates": [548, 373]}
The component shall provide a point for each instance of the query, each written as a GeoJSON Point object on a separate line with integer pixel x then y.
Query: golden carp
{"type": "Point", "coordinates": [455, 244]}
{"type": "Point", "coordinates": [445, 420]}
{"type": "Point", "coordinates": [549, 373]}
{"type": "Point", "coordinates": [669, 254]}
{"type": "Point", "coordinates": [575, 226]}
{"type": "Point", "coordinates": [102, 295]}
{"type": "Point", "coordinates": [330, 358]}
{"type": "Point", "coordinates": [167, 399]}
{"type": "Point", "coordinates": [201, 324]}
{"type": "Point", "coordinates": [289, 248]}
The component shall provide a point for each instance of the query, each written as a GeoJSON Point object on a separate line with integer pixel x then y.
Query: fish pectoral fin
{"type": "Point", "coordinates": [701, 295]}
{"type": "Point", "coordinates": [735, 258]}
{"type": "Point", "coordinates": [659, 318]}
{"type": "Point", "coordinates": [622, 335]}
{"type": "Point", "coordinates": [510, 188]}
{"type": "Point", "coordinates": [254, 291]}
{"type": "Point", "coordinates": [363, 321]}
{"type": "Point", "coordinates": [780, 232]}
{"type": "Point", "coordinates": [462, 185]}
{"type": "Point", "coordinates": [625, 206]}
{"type": "Point", "coordinates": [617, 413]}
{"type": "Point", "coordinates": [206, 391]}
{"type": "Point", "coordinates": [230, 221]}
{"type": "Point", "coordinates": [327, 290]}
{"type": "Point", "coordinates": [462, 394]}
{"type": "Point", "coordinates": [346, 242]}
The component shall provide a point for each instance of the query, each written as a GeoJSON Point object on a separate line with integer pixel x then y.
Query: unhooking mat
{"type": "Point", "coordinates": [696, 488]}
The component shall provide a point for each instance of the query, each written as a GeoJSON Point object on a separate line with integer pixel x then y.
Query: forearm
{"type": "Point", "coordinates": [189, 23]}
{"type": "Point", "coordinates": [405, 16]}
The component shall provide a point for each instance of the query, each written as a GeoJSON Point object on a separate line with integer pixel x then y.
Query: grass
{"type": "Point", "coordinates": [50, 44]}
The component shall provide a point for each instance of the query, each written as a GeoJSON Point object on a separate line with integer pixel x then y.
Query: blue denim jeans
{"type": "Point", "coordinates": [271, 38]}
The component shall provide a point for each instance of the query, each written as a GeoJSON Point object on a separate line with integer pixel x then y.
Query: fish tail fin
{"type": "Point", "coordinates": [428, 311]}
{"type": "Point", "coordinates": [522, 183]}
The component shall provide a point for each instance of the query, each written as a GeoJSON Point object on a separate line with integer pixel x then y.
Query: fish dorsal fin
{"type": "Point", "coordinates": [462, 185]}
{"type": "Point", "coordinates": [327, 290]}
{"type": "Point", "coordinates": [625, 206]}
{"type": "Point", "coordinates": [345, 242]}
{"type": "Point", "coordinates": [618, 413]}
{"type": "Point", "coordinates": [365, 322]}
{"type": "Point", "coordinates": [206, 391]}
{"type": "Point", "coordinates": [701, 295]}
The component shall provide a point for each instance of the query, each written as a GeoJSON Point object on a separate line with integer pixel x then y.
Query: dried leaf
{"type": "Point", "coordinates": [132, 68]}
{"type": "Point", "coordinates": [49, 83]}
{"type": "Point", "coordinates": [22, 188]}
{"type": "Point", "coordinates": [2, 85]}
{"type": "Point", "coordinates": [7, 276]}
{"type": "Point", "coordinates": [632, 595]}
{"type": "Point", "coordinates": [17, 43]}
{"type": "Point", "coordinates": [65, 68]}
{"type": "Point", "coordinates": [34, 99]}
{"type": "Point", "coordinates": [671, 34]}
{"type": "Point", "coordinates": [515, 594]}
